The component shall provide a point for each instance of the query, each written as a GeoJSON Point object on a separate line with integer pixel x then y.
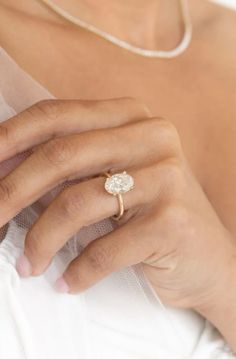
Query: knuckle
{"type": "Point", "coordinates": [32, 245]}
{"type": "Point", "coordinates": [177, 216]}
{"type": "Point", "coordinates": [141, 108]}
{"type": "Point", "coordinates": [51, 109]}
{"type": "Point", "coordinates": [163, 132]}
{"type": "Point", "coordinates": [173, 179]}
{"type": "Point", "coordinates": [99, 258]}
{"type": "Point", "coordinates": [35, 248]}
{"type": "Point", "coordinates": [7, 190]}
{"type": "Point", "coordinates": [57, 151]}
{"type": "Point", "coordinates": [173, 171]}
{"type": "Point", "coordinates": [4, 133]}
{"type": "Point", "coordinates": [166, 124]}
{"type": "Point", "coordinates": [128, 106]}
{"type": "Point", "coordinates": [71, 203]}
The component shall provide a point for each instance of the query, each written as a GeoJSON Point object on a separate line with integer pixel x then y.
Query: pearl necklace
{"type": "Point", "coordinates": [182, 46]}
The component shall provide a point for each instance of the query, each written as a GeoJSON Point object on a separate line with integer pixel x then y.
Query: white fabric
{"type": "Point", "coordinates": [229, 3]}
{"type": "Point", "coordinates": [119, 318]}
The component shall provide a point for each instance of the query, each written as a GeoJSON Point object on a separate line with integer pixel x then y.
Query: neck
{"type": "Point", "coordinates": [145, 23]}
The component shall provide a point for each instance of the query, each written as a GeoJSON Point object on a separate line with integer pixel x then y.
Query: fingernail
{"type": "Point", "coordinates": [23, 266]}
{"type": "Point", "coordinates": [61, 286]}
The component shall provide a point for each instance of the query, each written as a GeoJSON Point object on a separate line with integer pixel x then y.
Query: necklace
{"type": "Point", "coordinates": [182, 46]}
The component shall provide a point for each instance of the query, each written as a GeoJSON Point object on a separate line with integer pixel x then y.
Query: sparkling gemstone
{"type": "Point", "coordinates": [119, 183]}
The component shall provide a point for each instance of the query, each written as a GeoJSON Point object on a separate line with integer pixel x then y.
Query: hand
{"type": "Point", "coordinates": [171, 228]}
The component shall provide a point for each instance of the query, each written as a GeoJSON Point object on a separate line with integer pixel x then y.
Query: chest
{"type": "Point", "coordinates": [195, 92]}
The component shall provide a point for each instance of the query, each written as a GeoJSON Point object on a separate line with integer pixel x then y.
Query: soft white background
{"type": "Point", "coordinates": [231, 3]}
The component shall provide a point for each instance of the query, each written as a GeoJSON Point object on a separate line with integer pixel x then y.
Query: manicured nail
{"type": "Point", "coordinates": [61, 286]}
{"type": "Point", "coordinates": [23, 266]}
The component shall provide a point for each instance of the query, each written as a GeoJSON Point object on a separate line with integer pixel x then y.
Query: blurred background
{"type": "Point", "coordinates": [231, 3]}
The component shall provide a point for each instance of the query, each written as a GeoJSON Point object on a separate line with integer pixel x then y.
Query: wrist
{"type": "Point", "coordinates": [220, 307]}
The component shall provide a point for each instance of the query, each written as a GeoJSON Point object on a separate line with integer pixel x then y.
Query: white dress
{"type": "Point", "coordinates": [119, 318]}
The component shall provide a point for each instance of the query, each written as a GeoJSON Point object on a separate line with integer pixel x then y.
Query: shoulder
{"type": "Point", "coordinates": [214, 41]}
{"type": "Point", "coordinates": [220, 30]}
{"type": "Point", "coordinates": [225, 25]}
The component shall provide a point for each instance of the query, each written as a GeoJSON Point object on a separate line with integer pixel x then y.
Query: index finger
{"type": "Point", "coordinates": [55, 118]}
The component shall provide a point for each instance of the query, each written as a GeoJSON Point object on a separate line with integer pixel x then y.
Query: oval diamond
{"type": "Point", "coordinates": [119, 183]}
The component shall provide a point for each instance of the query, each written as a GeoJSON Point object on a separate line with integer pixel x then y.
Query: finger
{"type": "Point", "coordinates": [77, 207]}
{"type": "Point", "coordinates": [7, 166]}
{"type": "Point", "coordinates": [126, 246]}
{"type": "Point", "coordinates": [54, 118]}
{"type": "Point", "coordinates": [78, 156]}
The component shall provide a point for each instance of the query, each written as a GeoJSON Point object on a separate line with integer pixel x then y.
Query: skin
{"type": "Point", "coordinates": [180, 226]}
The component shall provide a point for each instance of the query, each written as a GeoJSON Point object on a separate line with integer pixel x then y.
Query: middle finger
{"type": "Point", "coordinates": [78, 156]}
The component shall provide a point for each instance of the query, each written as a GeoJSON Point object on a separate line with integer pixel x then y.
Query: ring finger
{"type": "Point", "coordinates": [79, 156]}
{"type": "Point", "coordinates": [76, 207]}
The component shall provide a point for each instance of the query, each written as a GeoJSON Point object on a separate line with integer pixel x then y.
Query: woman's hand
{"type": "Point", "coordinates": [187, 254]}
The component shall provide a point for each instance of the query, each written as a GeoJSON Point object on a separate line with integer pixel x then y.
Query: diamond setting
{"type": "Point", "coordinates": [119, 183]}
